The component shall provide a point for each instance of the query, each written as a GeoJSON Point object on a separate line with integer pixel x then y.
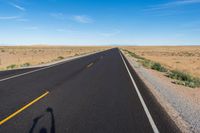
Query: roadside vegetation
{"type": "Point", "coordinates": [13, 66]}
{"type": "Point", "coordinates": [25, 65]}
{"type": "Point", "coordinates": [147, 63]}
{"type": "Point", "coordinates": [60, 58]}
{"type": "Point", "coordinates": [180, 78]}
{"type": "Point", "coordinates": [183, 78]}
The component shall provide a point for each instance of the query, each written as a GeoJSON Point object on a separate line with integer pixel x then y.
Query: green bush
{"type": "Point", "coordinates": [183, 78]}
{"type": "Point", "coordinates": [60, 58]}
{"type": "Point", "coordinates": [11, 66]}
{"type": "Point", "coordinates": [146, 63]}
{"type": "Point", "coordinates": [25, 64]}
{"type": "Point", "coordinates": [134, 55]}
{"type": "Point", "coordinates": [158, 67]}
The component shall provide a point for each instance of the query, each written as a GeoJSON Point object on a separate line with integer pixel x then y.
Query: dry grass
{"type": "Point", "coordinates": [33, 55]}
{"type": "Point", "coordinates": [183, 58]}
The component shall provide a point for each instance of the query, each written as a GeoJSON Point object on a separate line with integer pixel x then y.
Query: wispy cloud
{"type": "Point", "coordinates": [14, 18]}
{"type": "Point", "coordinates": [58, 15]}
{"type": "Point", "coordinates": [173, 4]}
{"type": "Point", "coordinates": [110, 34]}
{"type": "Point", "coordinates": [61, 30]}
{"type": "Point", "coordinates": [192, 26]}
{"type": "Point", "coordinates": [66, 30]}
{"type": "Point", "coordinates": [22, 20]}
{"type": "Point", "coordinates": [18, 7]}
{"type": "Point", "coordinates": [31, 28]}
{"type": "Point", "coordinates": [82, 19]}
{"type": "Point", "coordinates": [9, 17]}
{"type": "Point", "coordinates": [76, 18]}
{"type": "Point", "coordinates": [18, 17]}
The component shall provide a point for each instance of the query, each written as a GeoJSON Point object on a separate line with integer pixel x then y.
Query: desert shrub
{"type": "Point", "coordinates": [183, 78]}
{"type": "Point", "coordinates": [197, 81]}
{"type": "Point", "coordinates": [60, 58]}
{"type": "Point", "coordinates": [25, 64]}
{"type": "Point", "coordinates": [134, 55]}
{"type": "Point", "coordinates": [158, 67]}
{"type": "Point", "coordinates": [146, 63]}
{"type": "Point", "coordinates": [11, 66]}
{"type": "Point", "coordinates": [185, 83]}
{"type": "Point", "coordinates": [2, 50]}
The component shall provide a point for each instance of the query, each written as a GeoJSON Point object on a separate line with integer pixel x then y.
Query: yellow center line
{"type": "Point", "coordinates": [90, 65]}
{"type": "Point", "coordinates": [23, 108]}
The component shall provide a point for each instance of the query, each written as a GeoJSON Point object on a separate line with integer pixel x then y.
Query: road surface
{"type": "Point", "coordinates": [99, 93]}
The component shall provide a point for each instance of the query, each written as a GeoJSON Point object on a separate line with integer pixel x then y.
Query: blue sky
{"type": "Point", "coordinates": [100, 22]}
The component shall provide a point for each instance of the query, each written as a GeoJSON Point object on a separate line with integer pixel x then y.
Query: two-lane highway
{"type": "Point", "coordinates": [92, 94]}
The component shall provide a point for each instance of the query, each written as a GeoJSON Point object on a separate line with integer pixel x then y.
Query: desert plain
{"type": "Point", "coordinates": [12, 57]}
{"type": "Point", "coordinates": [183, 58]}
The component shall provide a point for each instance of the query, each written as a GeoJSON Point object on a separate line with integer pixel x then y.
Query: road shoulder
{"type": "Point", "coordinates": [162, 94]}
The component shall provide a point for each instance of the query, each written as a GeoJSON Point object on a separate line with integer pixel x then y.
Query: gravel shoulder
{"type": "Point", "coordinates": [180, 102]}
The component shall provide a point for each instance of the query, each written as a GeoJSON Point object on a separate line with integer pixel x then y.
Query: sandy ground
{"type": "Point", "coordinates": [35, 55]}
{"type": "Point", "coordinates": [184, 58]}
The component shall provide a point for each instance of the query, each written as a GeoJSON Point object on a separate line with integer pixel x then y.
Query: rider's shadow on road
{"type": "Point", "coordinates": [43, 129]}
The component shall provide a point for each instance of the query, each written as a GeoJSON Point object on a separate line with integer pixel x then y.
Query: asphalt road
{"type": "Point", "coordinates": [92, 94]}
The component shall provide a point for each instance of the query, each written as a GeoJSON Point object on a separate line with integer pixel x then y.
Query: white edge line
{"type": "Point", "coordinates": [18, 75]}
{"type": "Point", "coordinates": [45, 67]}
{"type": "Point", "coordinates": [153, 125]}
